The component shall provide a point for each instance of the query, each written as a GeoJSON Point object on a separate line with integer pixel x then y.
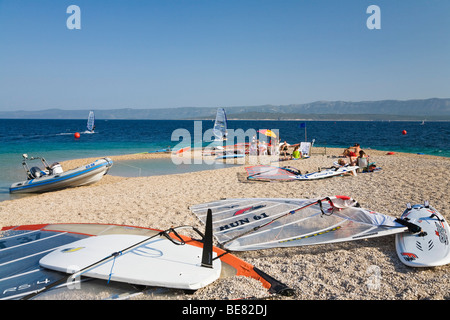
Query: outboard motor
{"type": "Point", "coordinates": [35, 172]}
{"type": "Point", "coordinates": [56, 168]}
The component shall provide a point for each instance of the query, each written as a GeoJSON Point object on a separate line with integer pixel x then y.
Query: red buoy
{"type": "Point", "coordinates": [403, 132]}
{"type": "Point", "coordinates": [77, 135]}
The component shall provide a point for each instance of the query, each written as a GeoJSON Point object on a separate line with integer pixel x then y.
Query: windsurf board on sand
{"type": "Point", "coordinates": [158, 262]}
{"type": "Point", "coordinates": [428, 248]}
{"type": "Point", "coordinates": [230, 156]}
{"type": "Point", "coordinates": [22, 247]}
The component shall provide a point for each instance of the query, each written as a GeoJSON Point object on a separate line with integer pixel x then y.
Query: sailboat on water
{"type": "Point", "coordinates": [220, 125]}
{"type": "Point", "coordinates": [91, 122]}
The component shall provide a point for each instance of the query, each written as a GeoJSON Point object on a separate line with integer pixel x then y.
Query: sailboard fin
{"type": "Point", "coordinates": [207, 255]}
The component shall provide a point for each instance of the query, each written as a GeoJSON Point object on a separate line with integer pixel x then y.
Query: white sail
{"type": "Point", "coordinates": [90, 122]}
{"type": "Point", "coordinates": [264, 172]}
{"type": "Point", "coordinates": [220, 125]}
{"type": "Point", "coordinates": [252, 224]}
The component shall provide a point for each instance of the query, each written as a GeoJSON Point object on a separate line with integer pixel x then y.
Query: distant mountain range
{"type": "Point", "coordinates": [425, 109]}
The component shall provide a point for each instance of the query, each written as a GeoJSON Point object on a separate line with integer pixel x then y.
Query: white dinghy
{"type": "Point", "coordinates": [52, 177]}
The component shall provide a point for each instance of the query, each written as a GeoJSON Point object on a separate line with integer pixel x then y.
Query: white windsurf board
{"type": "Point", "coordinates": [230, 156]}
{"type": "Point", "coordinates": [158, 262]}
{"type": "Point", "coordinates": [428, 248]}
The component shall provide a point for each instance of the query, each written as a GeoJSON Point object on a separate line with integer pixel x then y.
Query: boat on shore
{"type": "Point", "coordinates": [52, 177]}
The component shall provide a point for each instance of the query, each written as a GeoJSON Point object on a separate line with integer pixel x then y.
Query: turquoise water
{"type": "Point", "coordinates": [163, 166]}
{"type": "Point", "coordinates": [54, 140]}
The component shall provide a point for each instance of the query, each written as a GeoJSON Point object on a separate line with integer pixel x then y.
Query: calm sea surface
{"type": "Point", "coordinates": [54, 140]}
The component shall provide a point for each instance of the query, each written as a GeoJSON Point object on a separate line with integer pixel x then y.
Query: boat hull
{"type": "Point", "coordinates": [81, 176]}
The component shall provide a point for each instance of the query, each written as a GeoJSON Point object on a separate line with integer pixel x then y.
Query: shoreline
{"type": "Point", "coordinates": [331, 151]}
{"type": "Point", "coordinates": [321, 272]}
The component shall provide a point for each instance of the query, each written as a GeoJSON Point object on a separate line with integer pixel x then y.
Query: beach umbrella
{"type": "Point", "coordinates": [268, 133]}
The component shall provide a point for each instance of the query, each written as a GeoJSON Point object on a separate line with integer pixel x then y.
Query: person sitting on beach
{"type": "Point", "coordinates": [262, 148]}
{"type": "Point", "coordinates": [352, 156]}
{"type": "Point", "coordinates": [364, 163]}
{"type": "Point", "coordinates": [296, 153]}
{"type": "Point", "coordinates": [362, 160]}
{"type": "Point", "coordinates": [353, 151]}
{"type": "Point", "coordinates": [362, 154]}
{"type": "Point", "coordinates": [284, 149]}
{"type": "Point", "coordinates": [356, 148]}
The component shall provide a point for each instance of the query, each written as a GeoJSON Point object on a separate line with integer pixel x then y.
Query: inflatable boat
{"type": "Point", "coordinates": [52, 177]}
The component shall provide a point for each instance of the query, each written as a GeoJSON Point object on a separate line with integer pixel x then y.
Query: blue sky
{"type": "Point", "coordinates": [212, 53]}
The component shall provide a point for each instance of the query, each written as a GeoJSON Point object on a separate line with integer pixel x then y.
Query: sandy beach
{"type": "Point", "coordinates": [363, 269]}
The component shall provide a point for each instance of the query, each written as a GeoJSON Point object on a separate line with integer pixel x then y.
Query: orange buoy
{"type": "Point", "coordinates": [77, 135]}
{"type": "Point", "coordinates": [403, 132]}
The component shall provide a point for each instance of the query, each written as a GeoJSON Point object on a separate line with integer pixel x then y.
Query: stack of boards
{"type": "Point", "coordinates": [34, 256]}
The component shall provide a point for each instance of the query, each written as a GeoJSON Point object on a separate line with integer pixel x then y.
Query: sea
{"type": "Point", "coordinates": [55, 141]}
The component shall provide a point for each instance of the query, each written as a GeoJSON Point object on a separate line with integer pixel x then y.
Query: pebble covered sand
{"type": "Point", "coordinates": [357, 270]}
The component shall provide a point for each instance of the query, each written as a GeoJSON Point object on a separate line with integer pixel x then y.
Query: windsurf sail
{"type": "Point", "coordinates": [264, 172]}
{"type": "Point", "coordinates": [262, 223]}
{"type": "Point", "coordinates": [220, 125]}
{"type": "Point", "coordinates": [91, 121]}
{"type": "Point", "coordinates": [20, 252]}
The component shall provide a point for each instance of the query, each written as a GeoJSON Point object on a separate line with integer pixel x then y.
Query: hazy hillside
{"type": "Point", "coordinates": [430, 109]}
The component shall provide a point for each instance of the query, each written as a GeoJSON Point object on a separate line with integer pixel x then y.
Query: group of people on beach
{"type": "Point", "coordinates": [354, 153]}
{"type": "Point", "coordinates": [284, 151]}
{"type": "Point", "coordinates": [262, 147]}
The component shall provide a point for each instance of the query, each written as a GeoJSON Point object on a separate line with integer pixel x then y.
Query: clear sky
{"type": "Point", "coordinates": [212, 53]}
